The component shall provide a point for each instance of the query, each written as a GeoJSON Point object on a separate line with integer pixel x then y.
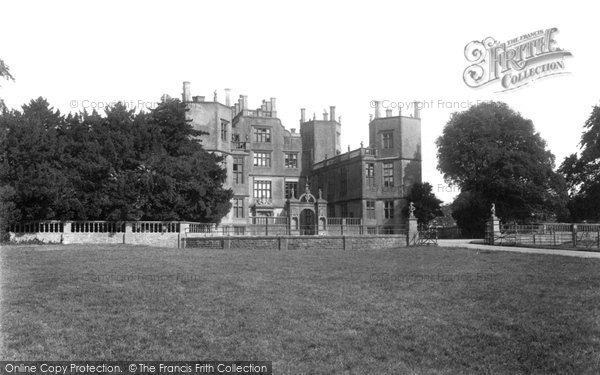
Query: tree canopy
{"type": "Point", "coordinates": [119, 166]}
{"type": "Point", "coordinates": [495, 156]}
{"type": "Point", "coordinates": [582, 172]}
{"type": "Point", "coordinates": [427, 205]}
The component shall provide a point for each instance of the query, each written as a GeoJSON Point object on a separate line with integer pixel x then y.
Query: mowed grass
{"type": "Point", "coordinates": [411, 310]}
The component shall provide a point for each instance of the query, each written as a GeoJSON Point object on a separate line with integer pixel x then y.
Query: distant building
{"type": "Point", "coordinates": [266, 163]}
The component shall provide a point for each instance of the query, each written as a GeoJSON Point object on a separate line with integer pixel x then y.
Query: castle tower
{"type": "Point", "coordinates": [320, 138]}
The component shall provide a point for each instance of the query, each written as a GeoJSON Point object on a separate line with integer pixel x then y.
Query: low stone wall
{"type": "Point", "coordinates": [151, 239]}
{"type": "Point", "coordinates": [365, 242]}
{"type": "Point", "coordinates": [182, 234]}
{"type": "Point", "coordinates": [31, 237]}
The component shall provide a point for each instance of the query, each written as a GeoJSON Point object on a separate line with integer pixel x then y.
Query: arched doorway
{"type": "Point", "coordinates": [307, 222]}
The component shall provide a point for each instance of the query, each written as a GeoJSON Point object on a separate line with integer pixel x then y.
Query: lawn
{"type": "Point", "coordinates": [411, 310]}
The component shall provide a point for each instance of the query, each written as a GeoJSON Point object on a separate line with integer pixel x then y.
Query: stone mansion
{"type": "Point", "coordinates": [268, 164]}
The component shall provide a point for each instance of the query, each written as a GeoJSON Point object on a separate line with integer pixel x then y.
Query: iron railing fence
{"type": "Point", "coordinates": [584, 235]}
{"type": "Point", "coordinates": [207, 230]}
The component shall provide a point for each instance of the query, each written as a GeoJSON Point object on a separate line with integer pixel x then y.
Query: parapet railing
{"type": "Point", "coordinates": [346, 156]}
{"type": "Point", "coordinates": [52, 226]}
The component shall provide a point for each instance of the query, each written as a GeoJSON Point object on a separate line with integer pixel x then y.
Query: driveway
{"type": "Point", "coordinates": [468, 245]}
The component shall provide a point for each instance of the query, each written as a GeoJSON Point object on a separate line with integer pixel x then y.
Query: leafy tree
{"type": "Point", "coordinates": [120, 166]}
{"type": "Point", "coordinates": [29, 165]}
{"type": "Point", "coordinates": [470, 209]}
{"type": "Point", "coordinates": [186, 180]}
{"type": "Point", "coordinates": [495, 156]}
{"type": "Point", "coordinates": [582, 173]}
{"type": "Point", "coordinates": [4, 73]}
{"type": "Point", "coordinates": [427, 205]}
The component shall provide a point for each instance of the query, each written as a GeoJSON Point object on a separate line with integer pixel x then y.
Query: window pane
{"type": "Point", "coordinates": [291, 160]}
{"type": "Point", "coordinates": [262, 189]}
{"type": "Point", "coordinates": [262, 159]}
{"type": "Point", "coordinates": [238, 170]}
{"type": "Point", "coordinates": [388, 174]}
{"type": "Point", "coordinates": [262, 135]}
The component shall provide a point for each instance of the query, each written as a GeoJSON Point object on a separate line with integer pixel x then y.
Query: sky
{"type": "Point", "coordinates": [310, 54]}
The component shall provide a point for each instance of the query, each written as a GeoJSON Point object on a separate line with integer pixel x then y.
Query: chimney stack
{"type": "Point", "coordinates": [417, 109]}
{"type": "Point", "coordinates": [388, 113]}
{"type": "Point", "coordinates": [377, 109]}
{"type": "Point", "coordinates": [187, 93]}
{"type": "Point", "coordinates": [302, 115]}
{"type": "Point", "coordinates": [273, 104]}
{"type": "Point", "coordinates": [228, 97]}
{"type": "Point", "coordinates": [332, 112]}
{"type": "Point", "coordinates": [244, 101]}
{"type": "Point", "coordinates": [325, 115]}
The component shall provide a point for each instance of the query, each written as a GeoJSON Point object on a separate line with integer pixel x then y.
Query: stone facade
{"type": "Point", "coordinates": [266, 162]}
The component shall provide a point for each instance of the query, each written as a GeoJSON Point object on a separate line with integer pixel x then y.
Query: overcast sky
{"type": "Point", "coordinates": [310, 54]}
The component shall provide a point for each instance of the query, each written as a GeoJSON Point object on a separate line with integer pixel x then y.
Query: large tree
{"type": "Point", "coordinates": [120, 166]}
{"type": "Point", "coordinates": [494, 154]}
{"type": "Point", "coordinates": [582, 172]}
{"type": "Point", "coordinates": [427, 205]}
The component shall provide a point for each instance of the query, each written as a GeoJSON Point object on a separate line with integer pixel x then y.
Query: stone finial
{"type": "Point", "coordinates": [320, 193]}
{"type": "Point", "coordinates": [292, 194]}
{"type": "Point", "coordinates": [411, 210]}
{"type": "Point", "coordinates": [361, 144]}
{"type": "Point", "coordinates": [493, 210]}
{"type": "Point", "coordinates": [215, 96]}
{"type": "Point", "coordinates": [306, 189]}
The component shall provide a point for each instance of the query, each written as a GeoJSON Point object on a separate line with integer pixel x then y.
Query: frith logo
{"type": "Point", "coordinates": [515, 63]}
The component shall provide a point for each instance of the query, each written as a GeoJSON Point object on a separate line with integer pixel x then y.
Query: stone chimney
{"type": "Point", "coordinates": [244, 101]}
{"type": "Point", "coordinates": [325, 116]}
{"type": "Point", "coordinates": [228, 97]}
{"type": "Point", "coordinates": [332, 112]}
{"type": "Point", "coordinates": [273, 104]}
{"type": "Point", "coordinates": [388, 113]}
{"type": "Point", "coordinates": [377, 109]}
{"type": "Point", "coordinates": [187, 93]}
{"type": "Point", "coordinates": [302, 115]}
{"type": "Point", "coordinates": [417, 109]}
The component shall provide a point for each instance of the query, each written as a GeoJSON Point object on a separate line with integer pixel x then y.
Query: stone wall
{"type": "Point", "coordinates": [298, 242]}
{"type": "Point", "coordinates": [152, 239]}
{"type": "Point", "coordinates": [173, 234]}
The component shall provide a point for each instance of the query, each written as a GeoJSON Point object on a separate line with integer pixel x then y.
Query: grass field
{"type": "Point", "coordinates": [413, 310]}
